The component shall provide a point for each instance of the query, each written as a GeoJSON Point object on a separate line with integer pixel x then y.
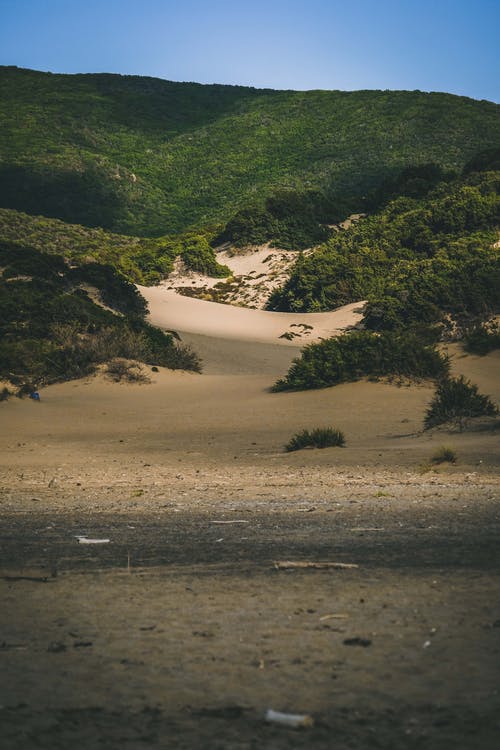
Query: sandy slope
{"type": "Point", "coordinates": [225, 422]}
{"type": "Point", "coordinates": [172, 311]}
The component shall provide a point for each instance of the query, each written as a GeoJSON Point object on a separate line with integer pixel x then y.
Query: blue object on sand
{"type": "Point", "coordinates": [35, 396]}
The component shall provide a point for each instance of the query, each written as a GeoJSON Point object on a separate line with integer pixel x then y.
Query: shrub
{"type": "Point", "coordinates": [4, 394]}
{"type": "Point", "coordinates": [321, 437]}
{"type": "Point", "coordinates": [122, 369]}
{"type": "Point", "coordinates": [182, 357]}
{"type": "Point", "coordinates": [483, 339]}
{"type": "Point", "coordinates": [456, 400]}
{"type": "Point", "coordinates": [199, 256]}
{"type": "Point", "coordinates": [444, 455]}
{"type": "Point", "coordinates": [360, 354]}
{"type": "Point", "coordinates": [291, 219]}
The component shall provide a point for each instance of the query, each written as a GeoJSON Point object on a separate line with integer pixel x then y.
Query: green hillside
{"type": "Point", "coordinates": [429, 267]}
{"type": "Point", "coordinates": [415, 260]}
{"type": "Point", "coordinates": [147, 157]}
{"type": "Point", "coordinates": [139, 259]}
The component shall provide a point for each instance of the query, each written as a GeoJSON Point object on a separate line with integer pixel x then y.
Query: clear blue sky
{"type": "Point", "coordinates": [432, 45]}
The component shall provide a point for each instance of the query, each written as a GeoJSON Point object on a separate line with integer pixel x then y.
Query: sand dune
{"type": "Point", "coordinates": [225, 428]}
{"type": "Point", "coordinates": [169, 310]}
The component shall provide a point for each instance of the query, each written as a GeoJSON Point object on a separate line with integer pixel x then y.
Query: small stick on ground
{"type": "Point", "coordinates": [289, 565]}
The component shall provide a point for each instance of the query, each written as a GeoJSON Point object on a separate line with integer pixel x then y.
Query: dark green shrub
{"type": "Point", "coordinates": [289, 219]}
{"type": "Point", "coordinates": [115, 290]}
{"type": "Point", "coordinates": [483, 339]}
{"type": "Point", "coordinates": [360, 354]}
{"type": "Point", "coordinates": [456, 400]}
{"type": "Point", "coordinates": [321, 437]}
{"type": "Point", "coordinates": [413, 181]}
{"type": "Point", "coordinates": [181, 357]}
{"type": "Point", "coordinates": [25, 389]}
{"type": "Point", "coordinates": [199, 256]}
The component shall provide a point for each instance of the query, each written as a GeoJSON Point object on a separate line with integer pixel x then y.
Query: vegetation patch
{"type": "Point", "coordinates": [288, 219]}
{"type": "Point", "coordinates": [321, 437]}
{"type": "Point", "coordinates": [141, 260]}
{"type": "Point", "coordinates": [51, 330]}
{"type": "Point", "coordinates": [199, 256]}
{"type": "Point", "coordinates": [456, 401]}
{"type": "Point", "coordinates": [143, 156]}
{"type": "Point", "coordinates": [483, 338]}
{"type": "Point", "coordinates": [416, 261]}
{"type": "Point", "coordinates": [444, 455]}
{"type": "Point", "coordinates": [363, 353]}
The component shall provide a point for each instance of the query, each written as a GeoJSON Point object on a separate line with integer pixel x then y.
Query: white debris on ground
{"type": "Point", "coordinates": [256, 272]}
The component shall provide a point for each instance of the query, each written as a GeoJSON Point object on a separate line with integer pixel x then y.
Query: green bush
{"type": "Point", "coordinates": [288, 219]}
{"type": "Point", "coordinates": [359, 354]}
{"type": "Point", "coordinates": [140, 260]}
{"type": "Point", "coordinates": [456, 400]}
{"type": "Point", "coordinates": [483, 339]}
{"type": "Point", "coordinates": [199, 256]}
{"type": "Point", "coordinates": [321, 437]}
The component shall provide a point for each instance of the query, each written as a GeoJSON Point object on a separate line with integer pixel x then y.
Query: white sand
{"type": "Point", "coordinates": [171, 311]}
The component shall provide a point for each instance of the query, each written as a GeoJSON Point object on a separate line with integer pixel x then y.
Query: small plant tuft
{"type": "Point", "coordinates": [456, 400]}
{"type": "Point", "coordinates": [444, 455]}
{"type": "Point", "coordinates": [321, 437]}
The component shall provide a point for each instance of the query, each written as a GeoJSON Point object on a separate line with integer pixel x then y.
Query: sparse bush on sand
{"type": "Point", "coordinates": [456, 400]}
{"type": "Point", "coordinates": [444, 455]}
{"type": "Point", "coordinates": [483, 338]}
{"type": "Point", "coordinates": [321, 437]}
{"type": "Point", "coordinates": [124, 370]}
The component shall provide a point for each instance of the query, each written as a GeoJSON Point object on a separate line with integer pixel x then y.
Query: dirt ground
{"type": "Point", "coordinates": [181, 631]}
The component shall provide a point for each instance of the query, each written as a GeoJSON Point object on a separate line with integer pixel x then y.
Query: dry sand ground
{"type": "Point", "coordinates": [180, 632]}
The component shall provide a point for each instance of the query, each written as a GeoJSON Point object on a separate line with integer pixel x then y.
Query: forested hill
{"type": "Point", "coordinates": [149, 157]}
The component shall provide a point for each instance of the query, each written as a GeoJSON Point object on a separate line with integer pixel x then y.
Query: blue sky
{"type": "Point", "coordinates": [438, 45]}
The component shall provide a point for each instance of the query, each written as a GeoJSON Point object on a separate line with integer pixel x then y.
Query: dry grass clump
{"type": "Point", "coordinates": [321, 437]}
{"type": "Point", "coordinates": [444, 455]}
{"type": "Point", "coordinates": [120, 370]}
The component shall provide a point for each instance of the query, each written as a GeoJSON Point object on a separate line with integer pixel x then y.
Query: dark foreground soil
{"type": "Point", "coordinates": [180, 632]}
